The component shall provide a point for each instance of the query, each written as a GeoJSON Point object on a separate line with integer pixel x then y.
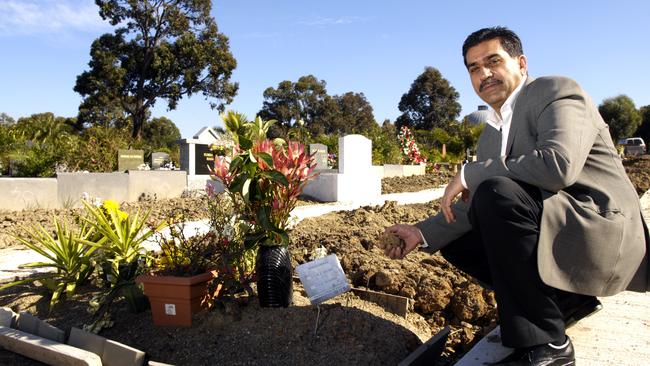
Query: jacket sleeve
{"type": "Point", "coordinates": [564, 135]}
{"type": "Point", "coordinates": [438, 233]}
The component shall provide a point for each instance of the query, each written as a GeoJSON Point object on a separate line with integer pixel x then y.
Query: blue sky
{"type": "Point", "coordinates": [374, 47]}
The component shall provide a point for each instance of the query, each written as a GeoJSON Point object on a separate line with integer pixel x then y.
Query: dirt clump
{"type": "Point", "coordinates": [638, 169]}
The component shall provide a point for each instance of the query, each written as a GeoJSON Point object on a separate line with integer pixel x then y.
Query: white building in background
{"type": "Point", "coordinates": [478, 116]}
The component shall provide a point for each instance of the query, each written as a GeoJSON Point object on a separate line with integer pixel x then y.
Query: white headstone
{"type": "Point", "coordinates": [355, 154]}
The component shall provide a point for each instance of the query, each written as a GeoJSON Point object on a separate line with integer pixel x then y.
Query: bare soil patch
{"type": "Point", "coordinates": [350, 331]}
{"type": "Point", "coordinates": [638, 169]}
{"type": "Point", "coordinates": [415, 183]}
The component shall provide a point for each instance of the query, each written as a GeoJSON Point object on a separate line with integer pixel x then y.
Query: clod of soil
{"type": "Point", "coordinates": [389, 241]}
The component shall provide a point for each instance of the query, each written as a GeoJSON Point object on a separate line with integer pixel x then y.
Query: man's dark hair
{"type": "Point", "coordinates": [509, 40]}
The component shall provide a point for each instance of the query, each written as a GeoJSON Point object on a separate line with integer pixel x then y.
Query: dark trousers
{"type": "Point", "coordinates": [501, 252]}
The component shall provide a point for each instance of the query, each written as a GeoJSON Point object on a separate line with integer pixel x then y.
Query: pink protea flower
{"type": "Point", "coordinates": [221, 170]}
{"type": "Point", "coordinates": [263, 146]}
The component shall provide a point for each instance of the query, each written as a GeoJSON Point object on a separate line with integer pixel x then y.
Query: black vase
{"type": "Point", "coordinates": [274, 277]}
{"type": "Point", "coordinates": [136, 300]}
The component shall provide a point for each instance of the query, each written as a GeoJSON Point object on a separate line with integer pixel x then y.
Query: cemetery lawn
{"type": "Point", "coordinates": [350, 331]}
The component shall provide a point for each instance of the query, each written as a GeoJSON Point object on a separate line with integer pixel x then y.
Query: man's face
{"type": "Point", "coordinates": [495, 75]}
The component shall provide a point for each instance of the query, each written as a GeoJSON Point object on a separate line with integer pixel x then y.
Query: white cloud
{"type": "Point", "coordinates": [36, 17]}
{"type": "Point", "coordinates": [321, 21]}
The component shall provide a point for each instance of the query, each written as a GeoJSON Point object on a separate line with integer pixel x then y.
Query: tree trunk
{"type": "Point", "coordinates": [139, 118]}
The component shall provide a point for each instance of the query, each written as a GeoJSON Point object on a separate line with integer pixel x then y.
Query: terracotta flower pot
{"type": "Point", "coordinates": [174, 299]}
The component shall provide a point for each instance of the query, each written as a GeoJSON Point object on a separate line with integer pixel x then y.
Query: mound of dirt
{"type": "Point", "coordinates": [638, 169]}
{"type": "Point", "coordinates": [348, 331]}
{"type": "Point", "coordinates": [415, 183]}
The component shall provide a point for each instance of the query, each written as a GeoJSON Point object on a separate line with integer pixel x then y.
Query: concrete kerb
{"type": "Point", "coordinates": [39, 340]}
{"type": "Point", "coordinates": [46, 350]}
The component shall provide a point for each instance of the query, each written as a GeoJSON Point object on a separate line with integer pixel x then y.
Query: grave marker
{"type": "Point", "coordinates": [320, 157]}
{"type": "Point", "coordinates": [204, 158]}
{"type": "Point", "coordinates": [355, 154]}
{"type": "Point", "coordinates": [158, 159]}
{"type": "Point", "coordinates": [129, 159]}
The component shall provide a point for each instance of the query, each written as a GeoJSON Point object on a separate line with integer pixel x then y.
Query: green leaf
{"type": "Point", "coordinates": [236, 163]}
{"type": "Point", "coordinates": [252, 156]}
{"type": "Point", "coordinates": [262, 217]}
{"type": "Point", "coordinates": [268, 159]}
{"type": "Point", "coordinates": [245, 190]}
{"type": "Point", "coordinates": [276, 176]}
{"type": "Point", "coordinates": [237, 184]}
{"type": "Point", "coordinates": [56, 295]}
{"type": "Point", "coordinates": [245, 143]}
{"type": "Point", "coordinates": [16, 283]}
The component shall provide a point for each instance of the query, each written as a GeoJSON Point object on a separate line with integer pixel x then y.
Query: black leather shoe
{"type": "Point", "coordinates": [542, 355]}
{"type": "Point", "coordinates": [578, 307]}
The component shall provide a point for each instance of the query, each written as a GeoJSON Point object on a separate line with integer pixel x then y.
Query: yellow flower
{"type": "Point", "coordinates": [111, 205]}
{"type": "Point", "coordinates": [122, 215]}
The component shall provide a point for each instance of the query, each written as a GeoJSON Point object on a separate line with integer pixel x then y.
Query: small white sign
{"type": "Point", "coordinates": [323, 278]}
{"type": "Point", "coordinates": [170, 309]}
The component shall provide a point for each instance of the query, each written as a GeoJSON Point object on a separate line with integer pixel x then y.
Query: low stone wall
{"type": "Point", "coordinates": [393, 170]}
{"type": "Point", "coordinates": [197, 182]}
{"type": "Point", "coordinates": [161, 183]}
{"type": "Point", "coordinates": [67, 188]}
{"type": "Point", "coordinates": [114, 186]}
{"type": "Point", "coordinates": [28, 193]}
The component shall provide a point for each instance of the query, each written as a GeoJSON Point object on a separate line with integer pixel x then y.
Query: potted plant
{"type": "Point", "coordinates": [176, 285]}
{"type": "Point", "coordinates": [267, 176]}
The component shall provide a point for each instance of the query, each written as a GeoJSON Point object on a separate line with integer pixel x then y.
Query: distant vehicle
{"type": "Point", "coordinates": [633, 146]}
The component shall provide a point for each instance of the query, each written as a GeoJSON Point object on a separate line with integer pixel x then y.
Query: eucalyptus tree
{"type": "Point", "coordinates": [621, 115]}
{"type": "Point", "coordinates": [430, 102]}
{"type": "Point", "coordinates": [160, 49]}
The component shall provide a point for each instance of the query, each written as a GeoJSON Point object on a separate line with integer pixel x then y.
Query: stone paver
{"type": "Point", "coordinates": [46, 350]}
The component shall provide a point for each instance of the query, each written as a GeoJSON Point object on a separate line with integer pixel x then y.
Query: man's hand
{"type": "Point", "coordinates": [454, 188]}
{"type": "Point", "coordinates": [409, 234]}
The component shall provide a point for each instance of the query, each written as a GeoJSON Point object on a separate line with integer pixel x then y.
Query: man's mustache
{"type": "Point", "coordinates": [488, 82]}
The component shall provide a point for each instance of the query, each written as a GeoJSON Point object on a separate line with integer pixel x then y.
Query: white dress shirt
{"type": "Point", "coordinates": [500, 123]}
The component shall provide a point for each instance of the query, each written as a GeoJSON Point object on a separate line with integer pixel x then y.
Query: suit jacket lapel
{"type": "Point", "coordinates": [517, 118]}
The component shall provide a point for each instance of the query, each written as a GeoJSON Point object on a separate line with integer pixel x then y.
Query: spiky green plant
{"type": "Point", "coordinates": [65, 252]}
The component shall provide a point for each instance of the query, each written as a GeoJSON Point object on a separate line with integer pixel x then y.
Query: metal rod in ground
{"type": "Point", "coordinates": [317, 317]}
